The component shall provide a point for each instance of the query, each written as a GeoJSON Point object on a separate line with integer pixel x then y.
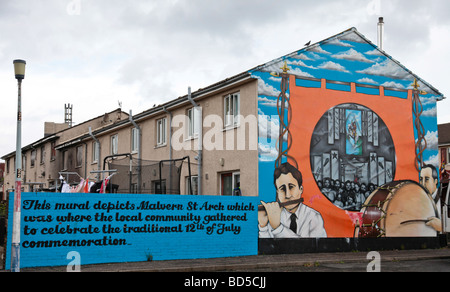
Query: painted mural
{"type": "Point", "coordinates": [346, 135]}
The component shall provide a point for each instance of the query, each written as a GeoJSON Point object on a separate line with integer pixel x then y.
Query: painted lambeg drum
{"type": "Point", "coordinates": [397, 209]}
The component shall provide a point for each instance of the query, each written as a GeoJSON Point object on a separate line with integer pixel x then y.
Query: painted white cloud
{"type": "Point", "coordinates": [267, 152]}
{"type": "Point", "coordinates": [340, 43]}
{"type": "Point", "coordinates": [302, 57]}
{"type": "Point", "coordinates": [333, 66]}
{"type": "Point", "coordinates": [300, 63]}
{"type": "Point", "coordinates": [386, 69]}
{"type": "Point", "coordinates": [266, 89]}
{"type": "Point", "coordinates": [393, 84]}
{"type": "Point", "coordinates": [269, 102]}
{"type": "Point", "coordinates": [374, 52]}
{"type": "Point", "coordinates": [352, 37]}
{"type": "Point", "coordinates": [352, 55]}
{"type": "Point", "coordinates": [432, 112]}
{"type": "Point", "coordinates": [428, 100]}
{"type": "Point", "coordinates": [318, 49]}
{"type": "Point", "coordinates": [268, 127]}
{"type": "Point", "coordinates": [433, 160]}
{"type": "Point", "coordinates": [432, 139]}
{"type": "Point", "coordinates": [367, 80]}
{"type": "Point", "coordinates": [298, 72]}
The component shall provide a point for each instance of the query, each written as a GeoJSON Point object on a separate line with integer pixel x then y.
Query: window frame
{"type": "Point", "coordinates": [114, 144]}
{"type": "Point", "coordinates": [134, 140]}
{"type": "Point", "coordinates": [79, 156]}
{"type": "Point", "coordinates": [161, 132]}
{"type": "Point", "coordinates": [233, 175]}
{"type": "Point", "coordinates": [231, 110]}
{"type": "Point", "coordinates": [95, 151]}
{"type": "Point", "coordinates": [192, 123]}
{"type": "Point", "coordinates": [194, 182]}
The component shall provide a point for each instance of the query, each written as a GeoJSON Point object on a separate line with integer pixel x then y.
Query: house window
{"type": "Point", "coordinates": [161, 126]}
{"type": "Point", "coordinates": [134, 188]}
{"type": "Point", "coordinates": [79, 153]}
{"type": "Point", "coordinates": [448, 156]}
{"type": "Point", "coordinates": [231, 110]}
{"type": "Point", "coordinates": [114, 145]}
{"type": "Point", "coordinates": [134, 139]}
{"type": "Point", "coordinates": [64, 159]}
{"type": "Point", "coordinates": [159, 186]}
{"type": "Point", "coordinates": [7, 165]}
{"type": "Point", "coordinates": [194, 182]}
{"type": "Point", "coordinates": [52, 151]}
{"type": "Point", "coordinates": [42, 155]}
{"type": "Point", "coordinates": [95, 151]}
{"type": "Point", "coordinates": [230, 184]}
{"type": "Point", "coordinates": [193, 118]}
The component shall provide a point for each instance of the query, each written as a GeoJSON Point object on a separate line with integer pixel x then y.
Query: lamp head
{"type": "Point", "coordinates": [19, 69]}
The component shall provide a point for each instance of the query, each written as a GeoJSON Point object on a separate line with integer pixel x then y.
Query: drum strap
{"type": "Point", "coordinates": [436, 199]}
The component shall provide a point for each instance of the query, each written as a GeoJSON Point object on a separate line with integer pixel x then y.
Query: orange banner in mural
{"type": "Point", "coordinates": [346, 137]}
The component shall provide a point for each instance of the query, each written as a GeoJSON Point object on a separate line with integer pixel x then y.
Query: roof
{"type": "Point", "coordinates": [55, 136]}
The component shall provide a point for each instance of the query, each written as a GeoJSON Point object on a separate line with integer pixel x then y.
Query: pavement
{"type": "Point", "coordinates": [254, 262]}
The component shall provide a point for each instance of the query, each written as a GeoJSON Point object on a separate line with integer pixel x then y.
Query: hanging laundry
{"type": "Point", "coordinates": [80, 187]}
{"type": "Point", "coordinates": [65, 187]}
{"type": "Point", "coordinates": [105, 184]}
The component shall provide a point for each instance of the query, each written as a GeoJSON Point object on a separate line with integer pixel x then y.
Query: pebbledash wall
{"type": "Point", "coordinates": [106, 228]}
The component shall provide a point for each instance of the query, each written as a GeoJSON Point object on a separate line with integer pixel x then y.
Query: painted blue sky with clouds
{"type": "Point", "coordinates": [345, 57]}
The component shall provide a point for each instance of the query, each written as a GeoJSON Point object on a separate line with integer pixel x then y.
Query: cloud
{"type": "Point", "coordinates": [149, 52]}
{"type": "Point", "coordinates": [428, 100]}
{"type": "Point", "coordinates": [266, 89]}
{"type": "Point", "coordinates": [300, 63]}
{"type": "Point", "coordinates": [352, 55]}
{"type": "Point", "coordinates": [267, 152]}
{"type": "Point", "coordinates": [387, 69]}
{"type": "Point", "coordinates": [333, 66]}
{"type": "Point", "coordinates": [338, 42]}
{"type": "Point", "coordinates": [302, 57]}
{"type": "Point", "coordinates": [367, 80]}
{"type": "Point", "coordinates": [318, 49]}
{"type": "Point", "coordinates": [298, 72]}
{"type": "Point", "coordinates": [374, 52]}
{"type": "Point", "coordinates": [432, 139]}
{"type": "Point", "coordinates": [392, 84]}
{"type": "Point", "coordinates": [433, 160]}
{"type": "Point", "coordinates": [432, 112]}
{"type": "Point", "coordinates": [268, 126]}
{"type": "Point", "coordinates": [352, 37]}
{"type": "Point", "coordinates": [264, 101]}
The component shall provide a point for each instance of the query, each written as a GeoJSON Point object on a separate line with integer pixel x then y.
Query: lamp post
{"type": "Point", "coordinates": [19, 70]}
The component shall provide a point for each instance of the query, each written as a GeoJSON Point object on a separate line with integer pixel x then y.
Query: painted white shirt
{"type": "Point", "coordinates": [309, 224]}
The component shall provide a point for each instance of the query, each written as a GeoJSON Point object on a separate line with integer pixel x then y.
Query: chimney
{"type": "Point", "coordinates": [68, 114]}
{"type": "Point", "coordinates": [380, 32]}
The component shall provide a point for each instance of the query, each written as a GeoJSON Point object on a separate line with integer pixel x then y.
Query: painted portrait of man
{"type": "Point", "coordinates": [288, 217]}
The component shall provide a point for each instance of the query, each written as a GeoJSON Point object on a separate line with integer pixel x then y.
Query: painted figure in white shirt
{"type": "Point", "coordinates": [293, 220]}
{"type": "Point", "coordinates": [429, 180]}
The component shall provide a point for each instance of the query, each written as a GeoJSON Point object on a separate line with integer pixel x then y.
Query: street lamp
{"type": "Point", "coordinates": [19, 70]}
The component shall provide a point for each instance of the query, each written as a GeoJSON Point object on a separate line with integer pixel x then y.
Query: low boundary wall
{"type": "Point", "coordinates": [104, 228]}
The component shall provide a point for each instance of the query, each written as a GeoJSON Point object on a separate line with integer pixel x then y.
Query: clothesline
{"type": "Point", "coordinates": [85, 185]}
